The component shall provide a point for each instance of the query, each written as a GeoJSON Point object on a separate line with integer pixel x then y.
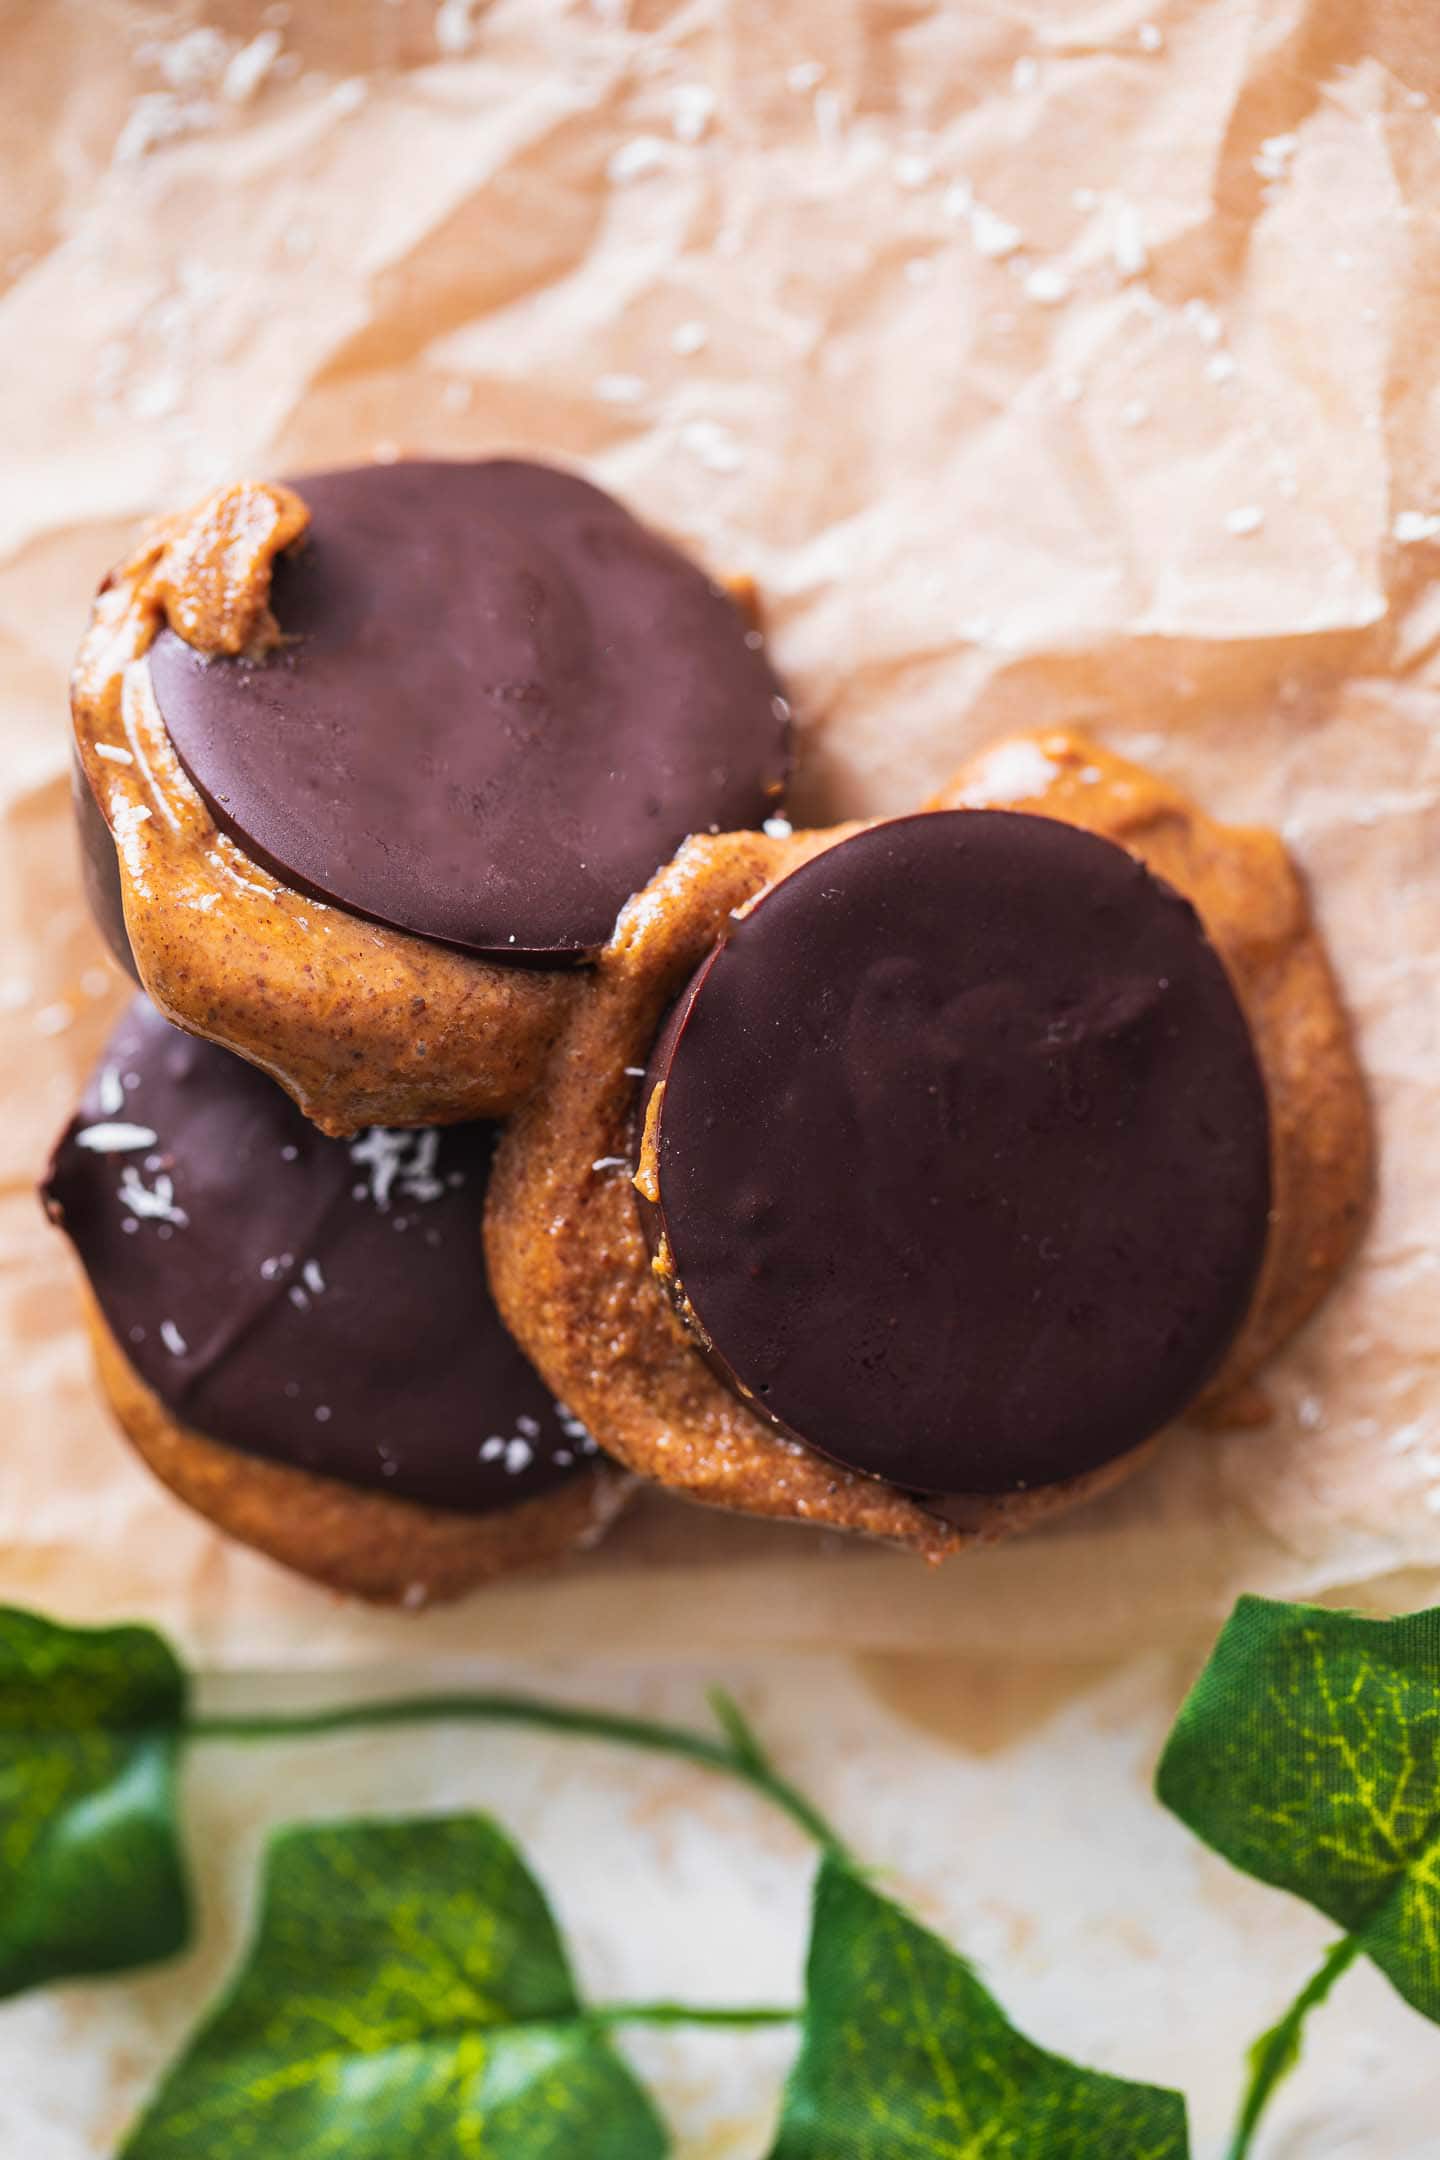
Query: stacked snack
{"type": "Point", "coordinates": [296, 1334]}
{"type": "Point", "coordinates": [906, 1178]}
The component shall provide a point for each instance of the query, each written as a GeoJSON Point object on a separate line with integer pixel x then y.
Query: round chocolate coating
{"type": "Point", "coordinates": [963, 1153]}
{"type": "Point", "coordinates": [100, 872]}
{"type": "Point", "coordinates": [319, 1302]}
{"type": "Point", "coordinates": [501, 704]}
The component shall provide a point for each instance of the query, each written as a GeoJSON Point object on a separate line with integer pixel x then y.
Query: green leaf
{"type": "Point", "coordinates": [1308, 1753]}
{"type": "Point", "coordinates": [91, 1875]}
{"type": "Point", "coordinates": [906, 2053]}
{"type": "Point", "coordinates": [406, 1993]}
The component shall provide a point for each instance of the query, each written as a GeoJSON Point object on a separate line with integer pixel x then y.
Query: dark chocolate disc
{"type": "Point", "coordinates": [963, 1153]}
{"type": "Point", "coordinates": [502, 703]}
{"type": "Point", "coordinates": [319, 1302]}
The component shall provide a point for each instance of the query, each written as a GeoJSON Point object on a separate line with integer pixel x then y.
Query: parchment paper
{"type": "Point", "coordinates": [1067, 361]}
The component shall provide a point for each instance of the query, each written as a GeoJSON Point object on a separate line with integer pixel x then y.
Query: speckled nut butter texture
{"type": "Point", "coordinates": [958, 1153]}
{"type": "Point", "coordinates": [360, 1022]}
{"type": "Point", "coordinates": [569, 1264]}
{"type": "Point", "coordinates": [318, 1303]}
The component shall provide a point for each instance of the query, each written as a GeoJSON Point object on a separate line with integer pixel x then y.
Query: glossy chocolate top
{"type": "Point", "coordinates": [502, 703]}
{"type": "Point", "coordinates": [963, 1153]}
{"type": "Point", "coordinates": [320, 1302]}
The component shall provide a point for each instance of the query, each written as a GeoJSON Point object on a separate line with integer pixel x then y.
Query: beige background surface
{"type": "Point", "coordinates": [1067, 361]}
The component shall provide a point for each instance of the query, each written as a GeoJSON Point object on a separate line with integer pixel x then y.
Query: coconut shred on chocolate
{"type": "Point", "coordinates": [956, 1153]}
{"type": "Point", "coordinates": [497, 702]}
{"type": "Point", "coordinates": [316, 1302]}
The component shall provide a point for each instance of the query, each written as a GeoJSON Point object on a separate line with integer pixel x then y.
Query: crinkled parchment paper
{"type": "Point", "coordinates": [1060, 361]}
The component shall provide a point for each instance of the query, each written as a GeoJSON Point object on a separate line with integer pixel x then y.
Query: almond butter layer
{"type": "Point", "coordinates": [568, 1263]}
{"type": "Point", "coordinates": [364, 1544]}
{"type": "Point", "coordinates": [361, 1024]}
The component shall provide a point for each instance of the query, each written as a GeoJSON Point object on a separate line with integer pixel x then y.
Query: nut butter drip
{"type": "Point", "coordinates": [568, 1262]}
{"type": "Point", "coordinates": [362, 1026]}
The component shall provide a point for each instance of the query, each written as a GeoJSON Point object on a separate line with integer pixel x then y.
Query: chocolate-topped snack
{"type": "Point", "coordinates": [378, 758]}
{"type": "Point", "coordinates": [308, 1302]}
{"type": "Point", "coordinates": [982, 1077]}
{"type": "Point", "coordinates": [959, 1154]}
{"type": "Point", "coordinates": [499, 703]}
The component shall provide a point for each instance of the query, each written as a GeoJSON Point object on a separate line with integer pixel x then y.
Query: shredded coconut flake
{"type": "Point", "coordinates": [173, 1340]}
{"type": "Point", "coordinates": [114, 1139]}
{"type": "Point", "coordinates": [1011, 772]}
{"type": "Point", "coordinates": [1414, 525]}
{"type": "Point", "coordinates": [774, 828]}
{"type": "Point", "coordinates": [113, 753]}
{"type": "Point", "coordinates": [689, 337]}
{"type": "Point", "coordinates": [313, 1277]}
{"type": "Point", "coordinates": [150, 1203]}
{"type": "Point", "coordinates": [111, 1091]}
{"type": "Point", "coordinates": [402, 1162]}
{"type": "Point", "coordinates": [1247, 519]}
{"type": "Point", "coordinates": [518, 1456]}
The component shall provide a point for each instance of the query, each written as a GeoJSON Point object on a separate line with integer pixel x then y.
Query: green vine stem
{"type": "Point", "coordinates": [1277, 2051]}
{"type": "Point", "coordinates": [676, 2013]}
{"type": "Point", "coordinates": [739, 1754]}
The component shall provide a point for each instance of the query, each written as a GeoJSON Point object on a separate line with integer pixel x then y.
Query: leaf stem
{"type": "Point", "coordinates": [676, 2013]}
{"type": "Point", "coordinates": [738, 1755]}
{"type": "Point", "coordinates": [1277, 2051]}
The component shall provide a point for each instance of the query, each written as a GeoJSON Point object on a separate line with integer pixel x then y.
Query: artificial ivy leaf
{"type": "Point", "coordinates": [1308, 1753]}
{"type": "Point", "coordinates": [406, 1993]}
{"type": "Point", "coordinates": [91, 1875]}
{"type": "Point", "coordinates": [906, 2052]}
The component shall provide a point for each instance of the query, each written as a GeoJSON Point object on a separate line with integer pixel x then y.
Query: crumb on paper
{"type": "Point", "coordinates": [713, 445]}
{"type": "Point", "coordinates": [643, 154]}
{"type": "Point", "coordinates": [619, 389]}
{"type": "Point", "coordinates": [1273, 159]}
{"type": "Point", "coordinates": [455, 27]}
{"type": "Point", "coordinates": [692, 108]}
{"type": "Point", "coordinates": [994, 236]}
{"type": "Point", "coordinates": [1048, 285]}
{"type": "Point", "coordinates": [1128, 249]}
{"type": "Point", "coordinates": [246, 70]}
